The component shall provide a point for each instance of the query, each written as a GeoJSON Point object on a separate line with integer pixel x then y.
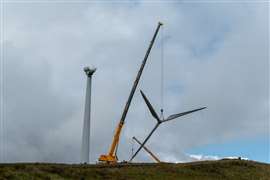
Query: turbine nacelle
{"type": "Point", "coordinates": [89, 71]}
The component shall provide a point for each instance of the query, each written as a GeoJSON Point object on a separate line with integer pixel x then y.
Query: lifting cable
{"type": "Point", "coordinates": [162, 75]}
{"type": "Point", "coordinates": [132, 147]}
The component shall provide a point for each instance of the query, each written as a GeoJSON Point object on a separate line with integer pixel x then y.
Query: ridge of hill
{"type": "Point", "coordinates": [221, 169]}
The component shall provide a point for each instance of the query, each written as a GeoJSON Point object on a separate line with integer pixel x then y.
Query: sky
{"type": "Point", "coordinates": [216, 54]}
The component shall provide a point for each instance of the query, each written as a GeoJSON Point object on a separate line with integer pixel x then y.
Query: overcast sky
{"type": "Point", "coordinates": [215, 55]}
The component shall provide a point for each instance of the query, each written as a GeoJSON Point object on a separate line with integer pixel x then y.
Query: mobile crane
{"type": "Point", "coordinates": [111, 157]}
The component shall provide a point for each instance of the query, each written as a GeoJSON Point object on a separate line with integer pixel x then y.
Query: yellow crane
{"type": "Point", "coordinates": [111, 157]}
{"type": "Point", "coordinates": [147, 150]}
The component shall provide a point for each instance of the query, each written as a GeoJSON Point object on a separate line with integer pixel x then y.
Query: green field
{"type": "Point", "coordinates": [222, 169]}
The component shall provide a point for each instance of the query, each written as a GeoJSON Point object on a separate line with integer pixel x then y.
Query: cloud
{"type": "Point", "coordinates": [197, 157]}
{"type": "Point", "coordinates": [200, 157]}
{"type": "Point", "coordinates": [216, 55]}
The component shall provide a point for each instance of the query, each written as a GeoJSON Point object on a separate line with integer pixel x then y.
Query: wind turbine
{"type": "Point", "coordinates": [85, 150]}
{"type": "Point", "coordinates": [160, 120]}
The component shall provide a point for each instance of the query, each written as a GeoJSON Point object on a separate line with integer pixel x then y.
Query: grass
{"type": "Point", "coordinates": [222, 169]}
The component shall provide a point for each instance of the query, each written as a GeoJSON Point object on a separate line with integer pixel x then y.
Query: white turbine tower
{"type": "Point", "coordinates": [85, 151]}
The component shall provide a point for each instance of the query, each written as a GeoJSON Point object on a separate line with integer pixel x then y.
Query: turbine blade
{"type": "Point", "coordinates": [150, 107]}
{"type": "Point", "coordinates": [171, 117]}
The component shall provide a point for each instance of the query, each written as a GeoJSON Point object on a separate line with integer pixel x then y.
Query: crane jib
{"type": "Point", "coordinates": [123, 117]}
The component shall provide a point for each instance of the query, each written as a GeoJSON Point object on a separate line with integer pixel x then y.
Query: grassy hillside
{"type": "Point", "coordinates": [222, 169]}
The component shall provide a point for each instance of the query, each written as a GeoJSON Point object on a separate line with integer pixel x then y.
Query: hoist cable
{"type": "Point", "coordinates": [132, 147]}
{"type": "Point", "coordinates": [162, 74]}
